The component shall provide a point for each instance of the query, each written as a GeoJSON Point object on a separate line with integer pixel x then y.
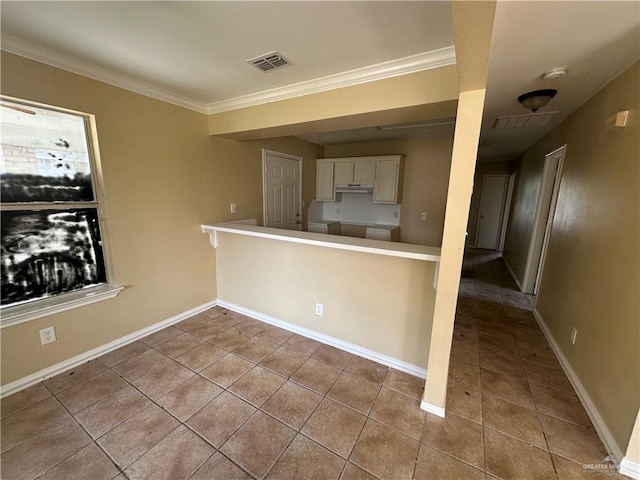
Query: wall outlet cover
{"type": "Point", "coordinates": [47, 335]}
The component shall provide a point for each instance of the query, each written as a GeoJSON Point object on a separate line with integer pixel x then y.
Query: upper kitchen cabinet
{"type": "Point", "coordinates": [354, 171]}
{"type": "Point", "coordinates": [388, 187]}
{"type": "Point", "coordinates": [325, 190]}
{"type": "Point", "coordinates": [383, 172]}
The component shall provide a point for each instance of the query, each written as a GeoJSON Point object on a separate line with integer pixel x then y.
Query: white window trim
{"type": "Point", "coordinates": [60, 303]}
{"type": "Point", "coordinates": [32, 310]}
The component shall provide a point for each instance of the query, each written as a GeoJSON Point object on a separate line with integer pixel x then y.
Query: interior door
{"type": "Point", "coordinates": [282, 195]}
{"type": "Point", "coordinates": [492, 196]}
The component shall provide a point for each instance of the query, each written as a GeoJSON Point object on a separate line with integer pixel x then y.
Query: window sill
{"type": "Point", "coordinates": [50, 306]}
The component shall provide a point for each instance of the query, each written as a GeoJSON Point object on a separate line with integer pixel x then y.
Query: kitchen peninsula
{"type": "Point", "coordinates": [376, 297]}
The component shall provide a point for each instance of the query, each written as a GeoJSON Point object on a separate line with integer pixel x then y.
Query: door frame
{"type": "Point", "coordinates": [502, 208]}
{"type": "Point", "coordinates": [507, 211]}
{"type": "Point", "coordinates": [288, 156]}
{"type": "Point", "coordinates": [543, 219]}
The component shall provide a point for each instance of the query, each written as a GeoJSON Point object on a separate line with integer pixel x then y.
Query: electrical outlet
{"type": "Point", "coordinates": [395, 214]}
{"type": "Point", "coordinates": [423, 216]}
{"type": "Point", "coordinates": [47, 335]}
{"type": "Point", "coordinates": [574, 334]}
{"type": "Point", "coordinates": [338, 210]}
{"type": "Point", "coordinates": [319, 309]}
{"type": "Point", "coordinates": [234, 208]}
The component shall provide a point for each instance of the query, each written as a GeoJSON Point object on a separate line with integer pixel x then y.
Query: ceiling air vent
{"type": "Point", "coordinates": [527, 120]}
{"type": "Point", "coordinates": [268, 61]}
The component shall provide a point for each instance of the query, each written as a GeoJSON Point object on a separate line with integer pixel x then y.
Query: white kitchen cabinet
{"type": "Point", "coordinates": [342, 173]}
{"type": "Point", "coordinates": [385, 188]}
{"type": "Point", "coordinates": [324, 227]}
{"type": "Point", "coordinates": [382, 233]}
{"type": "Point", "coordinates": [324, 181]}
{"type": "Point", "coordinates": [358, 171]}
{"type": "Point", "coordinates": [384, 172]}
{"type": "Point", "coordinates": [364, 172]}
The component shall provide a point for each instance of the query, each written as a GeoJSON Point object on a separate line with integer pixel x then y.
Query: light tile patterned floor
{"type": "Point", "coordinates": [223, 396]}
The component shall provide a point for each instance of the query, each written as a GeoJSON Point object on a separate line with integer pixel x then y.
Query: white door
{"type": "Point", "coordinates": [492, 196]}
{"type": "Point", "coordinates": [282, 184]}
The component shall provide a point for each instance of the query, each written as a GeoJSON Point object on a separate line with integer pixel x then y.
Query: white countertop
{"type": "Point", "coordinates": [378, 247]}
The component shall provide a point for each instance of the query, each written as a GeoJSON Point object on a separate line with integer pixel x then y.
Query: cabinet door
{"type": "Point", "coordinates": [343, 173]}
{"type": "Point", "coordinates": [364, 172]}
{"type": "Point", "coordinates": [385, 189]}
{"type": "Point", "coordinates": [378, 234]}
{"type": "Point", "coordinates": [324, 182]}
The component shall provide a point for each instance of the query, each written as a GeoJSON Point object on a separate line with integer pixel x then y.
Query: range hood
{"type": "Point", "coordinates": [354, 188]}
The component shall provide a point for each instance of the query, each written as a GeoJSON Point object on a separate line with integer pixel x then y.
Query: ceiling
{"type": "Point", "coordinates": [594, 40]}
{"type": "Point", "coordinates": [199, 50]}
{"type": "Point", "coordinates": [194, 53]}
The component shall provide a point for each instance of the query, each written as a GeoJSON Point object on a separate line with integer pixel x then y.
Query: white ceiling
{"type": "Point", "coordinates": [194, 53]}
{"type": "Point", "coordinates": [594, 40]}
{"type": "Point", "coordinates": [199, 49]}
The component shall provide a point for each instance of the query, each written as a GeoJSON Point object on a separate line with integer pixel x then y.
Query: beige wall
{"type": "Point", "coordinates": [523, 210]}
{"type": "Point", "coordinates": [164, 176]}
{"type": "Point", "coordinates": [155, 157]}
{"type": "Point", "coordinates": [482, 168]}
{"type": "Point", "coordinates": [426, 175]}
{"type": "Point", "coordinates": [238, 175]}
{"type": "Point", "coordinates": [381, 303]}
{"type": "Point", "coordinates": [591, 277]}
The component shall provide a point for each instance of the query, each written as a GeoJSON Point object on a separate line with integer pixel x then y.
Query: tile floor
{"type": "Point", "coordinates": [223, 396]}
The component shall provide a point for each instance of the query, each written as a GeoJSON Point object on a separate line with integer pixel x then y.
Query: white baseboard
{"type": "Point", "coordinates": [428, 407]}
{"type": "Point", "coordinates": [326, 339]}
{"type": "Point", "coordinates": [602, 430]}
{"type": "Point", "coordinates": [629, 468]}
{"type": "Point", "coordinates": [73, 362]}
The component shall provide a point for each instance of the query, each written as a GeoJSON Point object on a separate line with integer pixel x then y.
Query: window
{"type": "Point", "coordinates": [54, 255]}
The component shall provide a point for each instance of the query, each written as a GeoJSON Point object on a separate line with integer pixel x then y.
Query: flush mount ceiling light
{"type": "Point", "coordinates": [537, 98]}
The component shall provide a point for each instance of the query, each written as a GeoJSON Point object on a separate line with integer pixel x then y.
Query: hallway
{"type": "Point", "coordinates": [507, 390]}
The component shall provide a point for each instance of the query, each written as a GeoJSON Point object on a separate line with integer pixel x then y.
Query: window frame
{"type": "Point", "coordinates": [25, 312]}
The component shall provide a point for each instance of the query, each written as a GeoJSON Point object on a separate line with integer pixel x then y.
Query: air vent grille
{"type": "Point", "coordinates": [527, 120]}
{"type": "Point", "coordinates": [268, 61]}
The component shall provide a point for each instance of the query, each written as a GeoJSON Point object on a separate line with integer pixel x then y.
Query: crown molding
{"type": "Point", "coordinates": [393, 68]}
{"type": "Point", "coordinates": [44, 55]}
{"type": "Point", "coordinates": [414, 63]}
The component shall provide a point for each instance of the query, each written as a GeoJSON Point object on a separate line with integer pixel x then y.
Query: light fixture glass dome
{"type": "Point", "coordinates": [537, 98]}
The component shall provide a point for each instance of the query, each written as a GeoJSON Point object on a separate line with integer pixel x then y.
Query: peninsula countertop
{"type": "Point", "coordinates": [378, 247]}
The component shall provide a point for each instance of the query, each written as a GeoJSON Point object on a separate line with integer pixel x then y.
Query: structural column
{"type": "Point", "coordinates": [463, 161]}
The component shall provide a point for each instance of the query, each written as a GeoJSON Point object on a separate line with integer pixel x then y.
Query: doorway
{"type": "Point", "coordinates": [282, 190]}
{"type": "Point", "coordinates": [543, 219]}
{"type": "Point", "coordinates": [493, 196]}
